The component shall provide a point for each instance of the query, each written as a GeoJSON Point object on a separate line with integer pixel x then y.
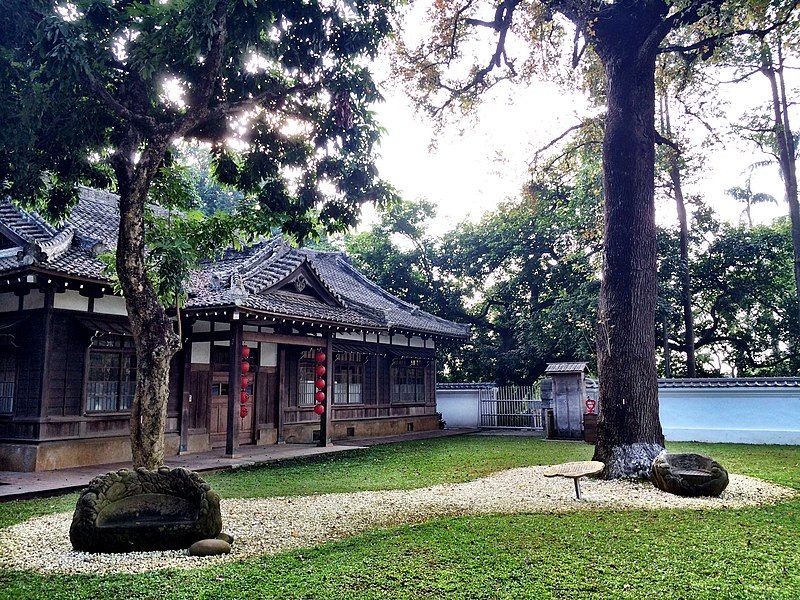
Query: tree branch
{"type": "Point", "coordinates": [555, 140]}
{"type": "Point", "coordinates": [503, 17]}
{"type": "Point", "coordinates": [662, 141]}
{"type": "Point", "coordinates": [712, 40]}
{"type": "Point", "coordinates": [114, 105]}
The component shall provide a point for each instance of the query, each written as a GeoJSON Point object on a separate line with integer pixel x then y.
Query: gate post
{"type": "Point", "coordinates": [546, 394]}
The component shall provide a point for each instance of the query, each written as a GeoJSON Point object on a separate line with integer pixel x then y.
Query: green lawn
{"type": "Point", "coordinates": [665, 554]}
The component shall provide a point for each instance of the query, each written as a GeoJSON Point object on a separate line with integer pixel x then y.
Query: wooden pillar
{"type": "Point", "coordinates": [185, 387]}
{"type": "Point", "coordinates": [325, 428]}
{"type": "Point", "coordinates": [44, 382]}
{"type": "Point", "coordinates": [283, 392]}
{"type": "Point", "coordinates": [234, 387]}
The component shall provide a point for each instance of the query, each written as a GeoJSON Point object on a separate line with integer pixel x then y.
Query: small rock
{"type": "Point", "coordinates": [226, 537]}
{"type": "Point", "coordinates": [209, 548]}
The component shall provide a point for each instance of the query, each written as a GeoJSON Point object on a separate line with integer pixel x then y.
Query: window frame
{"type": "Point", "coordinates": [124, 352]}
{"type": "Point", "coordinates": [12, 353]}
{"type": "Point", "coordinates": [305, 399]}
{"type": "Point", "coordinates": [352, 363]}
{"type": "Point", "coordinates": [407, 365]}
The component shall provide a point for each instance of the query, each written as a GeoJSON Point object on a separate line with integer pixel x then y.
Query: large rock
{"type": "Point", "coordinates": [689, 475]}
{"type": "Point", "coordinates": [139, 510]}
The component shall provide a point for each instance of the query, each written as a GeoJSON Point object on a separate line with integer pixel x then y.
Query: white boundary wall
{"type": "Point", "coordinates": [741, 412]}
{"type": "Point", "coordinates": [747, 415]}
{"type": "Point", "coordinates": [459, 405]}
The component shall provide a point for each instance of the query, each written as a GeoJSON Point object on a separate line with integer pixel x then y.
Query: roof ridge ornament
{"type": "Point", "coordinates": [215, 284]}
{"type": "Point", "coordinates": [300, 283]}
{"type": "Point", "coordinates": [237, 291]}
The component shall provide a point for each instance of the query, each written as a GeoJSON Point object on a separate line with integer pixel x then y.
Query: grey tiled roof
{"type": "Point", "coordinates": [566, 367]}
{"type": "Point", "coordinates": [731, 382]}
{"type": "Point", "coordinates": [252, 278]}
{"type": "Point", "coordinates": [466, 386]}
{"type": "Point", "coordinates": [360, 291]}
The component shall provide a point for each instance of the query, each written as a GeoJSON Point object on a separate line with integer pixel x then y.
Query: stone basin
{"type": "Point", "coordinates": [689, 474]}
{"type": "Point", "coordinates": [141, 510]}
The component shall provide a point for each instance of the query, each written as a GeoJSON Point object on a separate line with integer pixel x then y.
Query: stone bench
{"type": "Point", "coordinates": [689, 474]}
{"type": "Point", "coordinates": [576, 471]}
{"type": "Point", "coordinates": [141, 510]}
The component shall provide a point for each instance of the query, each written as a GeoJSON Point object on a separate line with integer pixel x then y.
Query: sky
{"type": "Point", "coordinates": [469, 172]}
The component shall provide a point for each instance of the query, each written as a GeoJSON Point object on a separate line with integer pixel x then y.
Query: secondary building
{"type": "Point", "coordinates": [68, 366]}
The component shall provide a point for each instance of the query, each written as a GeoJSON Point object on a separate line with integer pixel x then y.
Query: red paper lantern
{"type": "Point", "coordinates": [320, 370]}
{"type": "Point", "coordinates": [243, 411]}
{"type": "Point", "coordinates": [245, 351]}
{"type": "Point", "coordinates": [245, 367]}
{"type": "Point", "coordinates": [320, 356]}
{"type": "Point", "coordinates": [319, 396]}
{"type": "Point", "coordinates": [320, 383]}
{"type": "Point", "coordinates": [245, 382]}
{"type": "Point", "coordinates": [319, 409]}
{"type": "Point", "coordinates": [244, 397]}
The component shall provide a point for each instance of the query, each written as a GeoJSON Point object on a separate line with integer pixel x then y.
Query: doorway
{"type": "Point", "coordinates": [219, 411]}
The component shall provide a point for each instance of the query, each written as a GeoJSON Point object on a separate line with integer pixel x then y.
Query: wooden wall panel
{"type": "Point", "coordinates": [30, 339]}
{"type": "Point", "coordinates": [200, 389]}
{"type": "Point", "coordinates": [266, 393]}
{"type": "Point", "coordinates": [175, 365]}
{"type": "Point", "coordinates": [66, 361]}
{"type": "Point", "coordinates": [370, 383]}
{"type": "Point", "coordinates": [384, 395]}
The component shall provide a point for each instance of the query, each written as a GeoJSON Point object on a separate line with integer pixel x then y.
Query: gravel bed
{"type": "Point", "coordinates": [272, 525]}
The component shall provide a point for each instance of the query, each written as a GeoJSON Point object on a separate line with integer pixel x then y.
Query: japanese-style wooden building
{"type": "Point", "coordinates": [67, 364]}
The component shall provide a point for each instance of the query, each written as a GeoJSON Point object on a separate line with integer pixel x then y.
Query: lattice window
{"type": "Point", "coordinates": [408, 381]}
{"type": "Point", "coordinates": [8, 379]}
{"type": "Point", "coordinates": [305, 379]}
{"type": "Point", "coordinates": [349, 378]}
{"type": "Point", "coordinates": [112, 374]}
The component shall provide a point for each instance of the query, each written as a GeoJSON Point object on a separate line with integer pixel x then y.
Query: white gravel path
{"type": "Point", "coordinates": [272, 525]}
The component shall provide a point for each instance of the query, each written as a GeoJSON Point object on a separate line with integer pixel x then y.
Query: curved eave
{"type": "Point", "coordinates": [247, 312]}
{"type": "Point", "coordinates": [430, 333]}
{"type": "Point", "coordinates": [54, 273]}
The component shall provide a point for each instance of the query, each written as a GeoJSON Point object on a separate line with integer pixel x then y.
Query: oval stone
{"type": "Point", "coordinates": [226, 537]}
{"type": "Point", "coordinates": [209, 548]}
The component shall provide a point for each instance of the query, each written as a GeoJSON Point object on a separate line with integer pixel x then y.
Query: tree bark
{"type": "Point", "coordinates": [629, 430]}
{"type": "Point", "coordinates": [154, 337]}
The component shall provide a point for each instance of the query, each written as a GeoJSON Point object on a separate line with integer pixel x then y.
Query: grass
{"type": "Point", "coordinates": [611, 554]}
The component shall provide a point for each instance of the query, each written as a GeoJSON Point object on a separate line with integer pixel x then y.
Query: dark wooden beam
{"type": "Point", "coordinates": [186, 396]}
{"type": "Point", "coordinates": [325, 425]}
{"type": "Point", "coordinates": [283, 393]}
{"type": "Point", "coordinates": [47, 330]}
{"type": "Point", "coordinates": [283, 338]}
{"type": "Point", "coordinates": [234, 388]}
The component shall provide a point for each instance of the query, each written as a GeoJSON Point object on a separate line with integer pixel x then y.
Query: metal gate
{"type": "Point", "coordinates": [511, 406]}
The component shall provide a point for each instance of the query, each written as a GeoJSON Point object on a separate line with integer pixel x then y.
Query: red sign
{"type": "Point", "coordinates": [590, 405]}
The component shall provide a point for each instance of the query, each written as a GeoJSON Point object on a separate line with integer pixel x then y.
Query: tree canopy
{"type": "Point", "coordinates": [101, 91]}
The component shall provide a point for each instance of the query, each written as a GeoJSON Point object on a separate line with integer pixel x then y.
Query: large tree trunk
{"type": "Point", "coordinates": [153, 333]}
{"type": "Point", "coordinates": [629, 430]}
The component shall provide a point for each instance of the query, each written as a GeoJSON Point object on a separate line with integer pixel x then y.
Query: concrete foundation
{"type": "Point", "coordinates": [361, 428]}
{"type": "Point", "coordinates": [62, 454]}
